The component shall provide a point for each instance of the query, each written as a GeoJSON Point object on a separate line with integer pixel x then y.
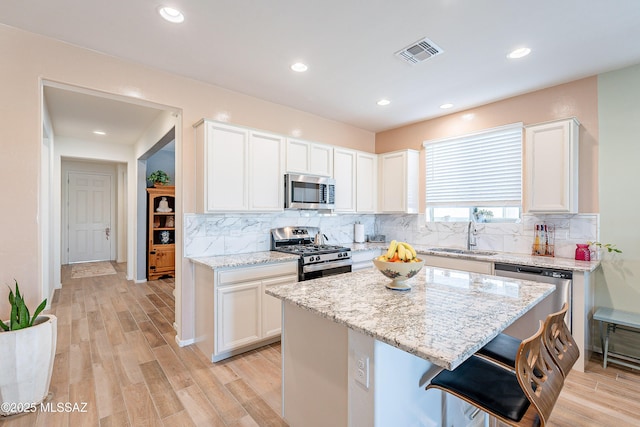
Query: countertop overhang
{"type": "Point", "coordinates": [446, 317]}
{"type": "Point", "coordinates": [244, 260]}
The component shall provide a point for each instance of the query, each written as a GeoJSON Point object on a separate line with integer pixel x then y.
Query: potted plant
{"type": "Point", "coordinates": [483, 215]}
{"type": "Point", "coordinates": [27, 351]}
{"type": "Point", "coordinates": [158, 178]}
{"type": "Point", "coordinates": [599, 247]}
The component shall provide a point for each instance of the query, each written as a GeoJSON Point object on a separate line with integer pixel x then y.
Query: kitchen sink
{"type": "Point", "coordinates": [463, 251]}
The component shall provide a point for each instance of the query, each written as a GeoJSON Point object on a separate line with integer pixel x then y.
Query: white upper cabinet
{"type": "Point", "coordinates": [398, 181]}
{"type": "Point", "coordinates": [238, 169]}
{"type": "Point", "coordinates": [266, 171]}
{"type": "Point", "coordinates": [356, 175]}
{"type": "Point", "coordinates": [551, 166]}
{"type": "Point", "coordinates": [366, 182]}
{"type": "Point", "coordinates": [305, 157]}
{"type": "Point", "coordinates": [221, 179]}
{"type": "Point", "coordinates": [344, 172]}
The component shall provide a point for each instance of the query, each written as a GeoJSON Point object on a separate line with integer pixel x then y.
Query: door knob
{"type": "Point", "coordinates": [107, 231]}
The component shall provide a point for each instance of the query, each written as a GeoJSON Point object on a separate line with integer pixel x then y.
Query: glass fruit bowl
{"type": "Point", "coordinates": [399, 272]}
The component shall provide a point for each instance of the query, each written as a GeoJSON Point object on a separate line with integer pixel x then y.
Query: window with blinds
{"type": "Point", "coordinates": [482, 169]}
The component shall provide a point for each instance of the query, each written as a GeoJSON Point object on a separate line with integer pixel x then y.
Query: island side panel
{"type": "Point", "coordinates": [392, 390]}
{"type": "Point", "coordinates": [314, 369]}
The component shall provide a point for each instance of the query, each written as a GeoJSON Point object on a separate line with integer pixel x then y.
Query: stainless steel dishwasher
{"type": "Point", "coordinates": [527, 325]}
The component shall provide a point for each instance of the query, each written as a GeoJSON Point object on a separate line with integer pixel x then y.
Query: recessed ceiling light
{"type": "Point", "coordinates": [170, 14]}
{"type": "Point", "coordinates": [299, 67]}
{"type": "Point", "coordinates": [384, 102]}
{"type": "Point", "coordinates": [99, 132]}
{"type": "Point", "coordinates": [519, 53]}
{"type": "Point", "coordinates": [445, 106]}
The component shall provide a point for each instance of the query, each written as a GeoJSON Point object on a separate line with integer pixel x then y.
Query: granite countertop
{"type": "Point", "coordinates": [241, 260]}
{"type": "Point", "coordinates": [445, 318]}
{"type": "Point", "coordinates": [265, 257]}
{"type": "Point", "coordinates": [499, 257]}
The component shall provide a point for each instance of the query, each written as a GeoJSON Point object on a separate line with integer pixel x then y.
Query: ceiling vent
{"type": "Point", "coordinates": [419, 51]}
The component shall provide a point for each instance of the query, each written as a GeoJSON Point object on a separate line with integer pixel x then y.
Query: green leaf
{"type": "Point", "coordinates": [13, 320]}
{"type": "Point", "coordinates": [4, 325]}
{"type": "Point", "coordinates": [41, 307]}
{"type": "Point", "coordinates": [23, 312]}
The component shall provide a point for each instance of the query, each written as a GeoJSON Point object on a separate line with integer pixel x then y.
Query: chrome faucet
{"type": "Point", "coordinates": [472, 236]}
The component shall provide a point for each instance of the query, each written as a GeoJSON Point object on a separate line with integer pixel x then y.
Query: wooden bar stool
{"type": "Point", "coordinates": [525, 397]}
{"type": "Point", "coordinates": [503, 349]}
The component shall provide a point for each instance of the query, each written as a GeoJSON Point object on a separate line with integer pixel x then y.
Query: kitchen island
{"type": "Point", "coordinates": [356, 353]}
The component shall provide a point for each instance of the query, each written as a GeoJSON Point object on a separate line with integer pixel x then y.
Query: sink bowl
{"type": "Point", "coordinates": [463, 251]}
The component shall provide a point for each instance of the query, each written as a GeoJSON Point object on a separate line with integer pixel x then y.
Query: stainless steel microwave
{"type": "Point", "coordinates": [309, 192]}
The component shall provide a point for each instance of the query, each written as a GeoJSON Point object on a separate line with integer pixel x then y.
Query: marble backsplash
{"type": "Point", "coordinates": [220, 234]}
{"type": "Point", "coordinates": [502, 237]}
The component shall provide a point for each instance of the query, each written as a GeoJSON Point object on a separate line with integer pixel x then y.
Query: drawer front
{"type": "Point", "coordinates": [245, 274]}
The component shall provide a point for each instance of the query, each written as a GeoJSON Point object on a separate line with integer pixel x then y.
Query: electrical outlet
{"type": "Point", "coordinates": [362, 370]}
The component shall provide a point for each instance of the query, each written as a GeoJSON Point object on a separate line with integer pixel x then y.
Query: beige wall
{"type": "Point", "coordinates": [576, 99]}
{"type": "Point", "coordinates": [619, 115]}
{"type": "Point", "coordinates": [27, 58]}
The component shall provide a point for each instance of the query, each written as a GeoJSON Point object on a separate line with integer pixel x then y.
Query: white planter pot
{"type": "Point", "coordinates": [26, 363]}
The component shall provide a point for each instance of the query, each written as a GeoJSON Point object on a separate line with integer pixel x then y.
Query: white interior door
{"type": "Point", "coordinates": [89, 217]}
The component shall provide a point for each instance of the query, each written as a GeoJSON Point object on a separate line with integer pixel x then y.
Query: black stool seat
{"type": "Point", "coordinates": [502, 349]}
{"type": "Point", "coordinates": [486, 385]}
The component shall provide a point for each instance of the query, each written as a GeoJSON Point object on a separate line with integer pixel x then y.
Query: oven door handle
{"type": "Point", "coordinates": [326, 265]}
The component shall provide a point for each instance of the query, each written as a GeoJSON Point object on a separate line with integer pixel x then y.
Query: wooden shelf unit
{"type": "Point", "coordinates": [161, 246]}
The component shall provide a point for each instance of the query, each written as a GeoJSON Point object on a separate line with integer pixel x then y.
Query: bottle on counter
{"type": "Point", "coordinates": [536, 241]}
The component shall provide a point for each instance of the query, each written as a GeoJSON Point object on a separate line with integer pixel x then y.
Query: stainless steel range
{"type": "Point", "coordinates": [315, 260]}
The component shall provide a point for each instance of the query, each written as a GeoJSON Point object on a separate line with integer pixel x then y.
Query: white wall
{"type": "Point", "coordinates": [619, 182]}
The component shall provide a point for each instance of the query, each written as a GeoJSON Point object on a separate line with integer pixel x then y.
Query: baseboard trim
{"type": "Point", "coordinates": [184, 343]}
{"type": "Point", "coordinates": [138, 281]}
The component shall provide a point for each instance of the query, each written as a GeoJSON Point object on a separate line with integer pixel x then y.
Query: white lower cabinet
{"type": "Point", "coordinates": [233, 314]}
{"type": "Point", "coordinates": [238, 313]}
{"type": "Point", "coordinates": [364, 259]}
{"type": "Point", "coordinates": [451, 263]}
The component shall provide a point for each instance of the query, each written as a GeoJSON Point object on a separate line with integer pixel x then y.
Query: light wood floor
{"type": "Point", "coordinates": [116, 351]}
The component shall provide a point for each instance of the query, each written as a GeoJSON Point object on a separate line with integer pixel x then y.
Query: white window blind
{"type": "Point", "coordinates": [480, 169]}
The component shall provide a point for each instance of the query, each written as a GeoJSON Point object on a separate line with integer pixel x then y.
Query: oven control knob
{"type": "Point", "coordinates": [339, 254]}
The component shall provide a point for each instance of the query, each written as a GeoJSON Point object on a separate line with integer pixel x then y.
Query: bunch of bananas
{"type": "Point", "coordinates": [399, 252]}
